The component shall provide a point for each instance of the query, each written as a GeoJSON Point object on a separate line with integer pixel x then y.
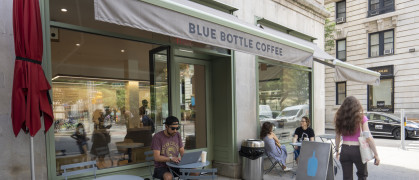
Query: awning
{"type": "Point", "coordinates": [188, 20]}
{"type": "Point", "coordinates": [343, 71]}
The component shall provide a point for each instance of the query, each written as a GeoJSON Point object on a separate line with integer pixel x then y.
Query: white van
{"type": "Point", "coordinates": [265, 112]}
{"type": "Point", "coordinates": [294, 113]}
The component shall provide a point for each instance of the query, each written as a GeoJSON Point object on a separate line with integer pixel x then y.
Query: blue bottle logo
{"type": "Point", "coordinates": [312, 165]}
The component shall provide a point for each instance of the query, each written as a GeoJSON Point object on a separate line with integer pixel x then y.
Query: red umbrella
{"type": "Point", "coordinates": [30, 87]}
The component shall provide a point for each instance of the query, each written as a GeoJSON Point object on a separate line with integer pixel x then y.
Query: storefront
{"type": "Point", "coordinates": [381, 98]}
{"type": "Point", "coordinates": [121, 67]}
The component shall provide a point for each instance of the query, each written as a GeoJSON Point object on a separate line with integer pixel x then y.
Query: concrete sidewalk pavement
{"type": "Point", "coordinates": [395, 164]}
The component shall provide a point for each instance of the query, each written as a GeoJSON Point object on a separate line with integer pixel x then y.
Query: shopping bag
{"type": "Point", "coordinates": [364, 148]}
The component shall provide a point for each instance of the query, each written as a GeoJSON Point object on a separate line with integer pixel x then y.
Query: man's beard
{"type": "Point", "coordinates": [170, 134]}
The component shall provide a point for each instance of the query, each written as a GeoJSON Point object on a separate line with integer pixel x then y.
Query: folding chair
{"type": "Point", "coordinates": [150, 158]}
{"type": "Point", "coordinates": [185, 173]}
{"type": "Point", "coordinates": [274, 162]}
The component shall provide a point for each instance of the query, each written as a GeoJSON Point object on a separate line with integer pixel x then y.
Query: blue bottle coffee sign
{"type": "Point", "coordinates": [312, 165]}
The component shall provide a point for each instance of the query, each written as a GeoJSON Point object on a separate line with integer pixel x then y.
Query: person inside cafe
{"type": "Point", "coordinates": [167, 146]}
{"type": "Point", "coordinates": [143, 108]}
{"type": "Point", "coordinates": [100, 149]}
{"type": "Point", "coordinates": [273, 147]}
{"type": "Point", "coordinates": [108, 117]}
{"type": "Point", "coordinates": [302, 133]}
{"type": "Point", "coordinates": [81, 139]}
{"type": "Point", "coordinates": [348, 122]}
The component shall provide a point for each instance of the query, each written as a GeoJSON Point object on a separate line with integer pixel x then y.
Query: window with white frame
{"type": "Point", "coordinates": [341, 49]}
{"type": "Point", "coordinates": [381, 43]}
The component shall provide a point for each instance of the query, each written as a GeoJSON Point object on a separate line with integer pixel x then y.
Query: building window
{"type": "Point", "coordinates": [340, 92]}
{"type": "Point", "coordinates": [381, 97]}
{"type": "Point", "coordinates": [381, 43]}
{"type": "Point", "coordinates": [377, 7]}
{"type": "Point", "coordinates": [341, 49]}
{"type": "Point", "coordinates": [341, 12]}
{"type": "Point", "coordinates": [284, 97]}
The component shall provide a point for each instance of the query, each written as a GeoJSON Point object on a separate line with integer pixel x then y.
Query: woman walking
{"type": "Point", "coordinates": [81, 139]}
{"type": "Point", "coordinates": [348, 120]}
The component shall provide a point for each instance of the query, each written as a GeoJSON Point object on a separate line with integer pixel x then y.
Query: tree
{"type": "Point", "coordinates": [329, 29]}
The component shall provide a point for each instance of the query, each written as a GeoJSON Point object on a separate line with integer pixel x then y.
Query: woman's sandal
{"type": "Point", "coordinates": [285, 168]}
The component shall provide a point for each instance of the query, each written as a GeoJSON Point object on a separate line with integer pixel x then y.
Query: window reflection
{"type": "Point", "coordinates": [193, 105]}
{"type": "Point", "coordinates": [283, 98]}
{"type": "Point", "coordinates": [108, 92]}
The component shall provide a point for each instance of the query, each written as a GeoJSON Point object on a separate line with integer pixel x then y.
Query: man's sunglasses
{"type": "Point", "coordinates": [175, 128]}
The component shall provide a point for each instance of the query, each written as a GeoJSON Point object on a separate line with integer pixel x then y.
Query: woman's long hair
{"type": "Point", "coordinates": [349, 116]}
{"type": "Point", "coordinates": [266, 129]}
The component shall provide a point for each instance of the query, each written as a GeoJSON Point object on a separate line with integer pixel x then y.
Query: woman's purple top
{"type": "Point", "coordinates": [355, 136]}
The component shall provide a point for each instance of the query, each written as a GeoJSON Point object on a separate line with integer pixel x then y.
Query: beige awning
{"type": "Point", "coordinates": [189, 20]}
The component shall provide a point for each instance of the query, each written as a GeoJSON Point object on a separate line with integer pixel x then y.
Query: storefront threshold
{"type": "Point", "coordinates": [230, 170]}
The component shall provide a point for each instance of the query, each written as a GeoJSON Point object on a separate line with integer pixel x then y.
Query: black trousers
{"type": "Point", "coordinates": [350, 155]}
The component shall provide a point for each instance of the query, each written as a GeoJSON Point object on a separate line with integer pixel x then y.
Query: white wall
{"type": "Point", "coordinates": [14, 151]}
{"type": "Point", "coordinates": [245, 97]}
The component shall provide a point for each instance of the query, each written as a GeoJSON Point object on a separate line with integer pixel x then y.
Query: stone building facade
{"type": "Point", "coordinates": [380, 35]}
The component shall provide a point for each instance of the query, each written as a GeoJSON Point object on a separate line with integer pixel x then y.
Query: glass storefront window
{"type": "Point", "coordinates": [102, 99]}
{"type": "Point", "coordinates": [284, 98]}
{"type": "Point", "coordinates": [380, 98]}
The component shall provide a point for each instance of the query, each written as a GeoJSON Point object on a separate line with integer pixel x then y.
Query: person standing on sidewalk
{"type": "Point", "coordinates": [348, 119]}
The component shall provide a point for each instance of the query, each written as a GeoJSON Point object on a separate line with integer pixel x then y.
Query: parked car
{"type": "Point", "coordinates": [266, 115]}
{"type": "Point", "coordinates": [294, 113]}
{"type": "Point", "coordinates": [265, 112]}
{"type": "Point", "coordinates": [389, 125]}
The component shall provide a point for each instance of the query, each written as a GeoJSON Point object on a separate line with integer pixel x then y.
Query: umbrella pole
{"type": "Point", "coordinates": [32, 161]}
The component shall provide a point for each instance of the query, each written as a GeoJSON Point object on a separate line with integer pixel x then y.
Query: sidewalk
{"type": "Point", "coordinates": [395, 164]}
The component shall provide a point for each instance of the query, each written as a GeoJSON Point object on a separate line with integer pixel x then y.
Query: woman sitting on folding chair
{"type": "Point", "coordinates": [273, 147]}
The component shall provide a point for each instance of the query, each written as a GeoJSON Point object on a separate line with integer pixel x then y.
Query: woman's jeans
{"type": "Point", "coordinates": [350, 155]}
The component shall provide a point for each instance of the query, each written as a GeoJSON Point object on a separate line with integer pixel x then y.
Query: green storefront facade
{"type": "Point", "coordinates": [104, 61]}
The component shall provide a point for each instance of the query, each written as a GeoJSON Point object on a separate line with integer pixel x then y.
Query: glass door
{"type": "Point", "coordinates": [192, 85]}
{"type": "Point", "coordinates": [159, 86]}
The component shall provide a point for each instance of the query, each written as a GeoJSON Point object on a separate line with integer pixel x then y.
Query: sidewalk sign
{"type": "Point", "coordinates": [315, 161]}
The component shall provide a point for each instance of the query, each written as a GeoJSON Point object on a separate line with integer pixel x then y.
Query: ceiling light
{"type": "Point", "coordinates": [122, 50]}
{"type": "Point", "coordinates": [63, 10]}
{"type": "Point", "coordinates": [77, 44]}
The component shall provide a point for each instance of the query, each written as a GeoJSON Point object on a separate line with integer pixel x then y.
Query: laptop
{"type": "Point", "coordinates": [189, 158]}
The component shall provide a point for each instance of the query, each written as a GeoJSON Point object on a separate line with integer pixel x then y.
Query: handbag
{"type": "Point", "coordinates": [364, 148]}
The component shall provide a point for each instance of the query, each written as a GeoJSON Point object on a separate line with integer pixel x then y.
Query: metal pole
{"type": "Point", "coordinates": [32, 161]}
{"type": "Point", "coordinates": [402, 128]}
